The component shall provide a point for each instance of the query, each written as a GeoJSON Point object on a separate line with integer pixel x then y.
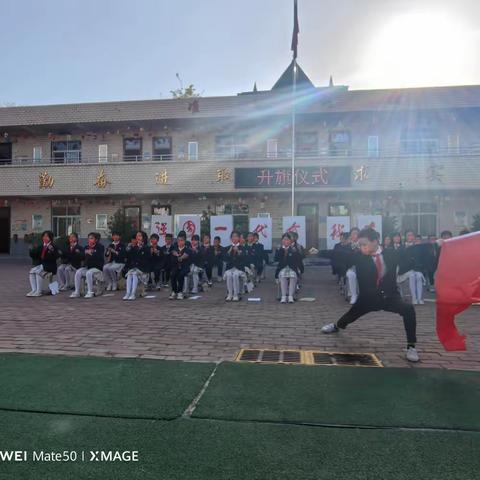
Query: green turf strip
{"type": "Point", "coordinates": [99, 386]}
{"type": "Point", "coordinates": [344, 395]}
{"type": "Point", "coordinates": [218, 450]}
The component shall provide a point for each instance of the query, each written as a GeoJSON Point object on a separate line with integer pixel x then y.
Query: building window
{"type": "Point", "coordinates": [372, 146]}
{"type": "Point", "coordinates": [306, 143]}
{"type": "Point", "coordinates": [339, 143]}
{"type": "Point", "coordinates": [421, 218]}
{"type": "Point", "coordinates": [133, 217]}
{"type": "Point", "coordinates": [101, 221]}
{"type": "Point", "coordinates": [422, 140]}
{"type": "Point", "coordinates": [338, 210]}
{"type": "Point", "coordinates": [193, 150]}
{"type": "Point", "coordinates": [132, 149]}
{"type": "Point", "coordinates": [37, 154]}
{"type": "Point", "coordinates": [103, 153]}
{"type": "Point", "coordinates": [67, 151]}
{"type": "Point", "coordinates": [5, 153]}
{"type": "Point", "coordinates": [161, 209]}
{"type": "Point", "coordinates": [231, 146]}
{"type": "Point", "coordinates": [272, 148]}
{"type": "Point", "coordinates": [65, 220]}
{"type": "Point", "coordinates": [162, 148]}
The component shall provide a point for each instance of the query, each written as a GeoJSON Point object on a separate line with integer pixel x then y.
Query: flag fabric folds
{"type": "Point", "coordinates": [457, 284]}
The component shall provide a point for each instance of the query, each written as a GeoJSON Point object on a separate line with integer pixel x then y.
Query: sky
{"type": "Point", "coordinates": [68, 51]}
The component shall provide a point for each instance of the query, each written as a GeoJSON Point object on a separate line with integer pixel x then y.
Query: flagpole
{"type": "Point", "coordinates": [294, 91]}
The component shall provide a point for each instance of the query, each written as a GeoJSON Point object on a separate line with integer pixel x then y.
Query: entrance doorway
{"type": "Point", "coordinates": [4, 229]}
{"type": "Point", "coordinates": [310, 212]}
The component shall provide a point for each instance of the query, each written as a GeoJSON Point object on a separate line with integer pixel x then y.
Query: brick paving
{"type": "Point", "coordinates": [209, 329]}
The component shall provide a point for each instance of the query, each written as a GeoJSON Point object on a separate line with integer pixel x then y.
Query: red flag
{"type": "Point", "coordinates": [457, 283]}
{"type": "Point", "coordinates": [296, 30]}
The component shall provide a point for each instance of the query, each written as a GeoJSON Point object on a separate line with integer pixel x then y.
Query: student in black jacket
{"type": "Point", "coordinates": [197, 262]}
{"type": "Point", "coordinates": [219, 257]}
{"type": "Point", "coordinates": [288, 268]}
{"type": "Point", "coordinates": [71, 259]}
{"type": "Point", "coordinates": [115, 256]}
{"type": "Point", "coordinates": [167, 258]}
{"type": "Point", "coordinates": [377, 280]}
{"type": "Point", "coordinates": [236, 259]}
{"type": "Point", "coordinates": [208, 255]}
{"type": "Point", "coordinates": [139, 257]}
{"type": "Point", "coordinates": [180, 267]}
{"type": "Point", "coordinates": [258, 256]}
{"type": "Point", "coordinates": [45, 256]}
{"type": "Point", "coordinates": [156, 260]}
{"type": "Point", "coordinates": [94, 256]}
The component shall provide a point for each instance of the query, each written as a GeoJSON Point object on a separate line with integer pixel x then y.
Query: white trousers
{"type": "Point", "coordinates": [111, 272]}
{"type": "Point", "coordinates": [88, 273]}
{"type": "Point", "coordinates": [232, 278]}
{"type": "Point", "coordinates": [352, 282]}
{"type": "Point", "coordinates": [415, 282]}
{"type": "Point", "coordinates": [133, 276]}
{"type": "Point", "coordinates": [66, 275]}
{"type": "Point", "coordinates": [36, 276]}
{"type": "Point", "coordinates": [288, 286]}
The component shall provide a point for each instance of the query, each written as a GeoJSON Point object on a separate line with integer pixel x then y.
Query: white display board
{"type": "Point", "coordinates": [221, 226]}
{"type": "Point", "coordinates": [263, 226]}
{"type": "Point", "coordinates": [335, 227]}
{"type": "Point", "coordinates": [161, 225]}
{"type": "Point", "coordinates": [296, 224]}
{"type": "Point", "coordinates": [371, 221]}
{"type": "Point", "coordinates": [190, 224]}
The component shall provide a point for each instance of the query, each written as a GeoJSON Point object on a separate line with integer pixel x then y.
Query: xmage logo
{"type": "Point", "coordinates": [114, 456]}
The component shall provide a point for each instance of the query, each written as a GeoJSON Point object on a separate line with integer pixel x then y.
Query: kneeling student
{"type": "Point", "coordinates": [139, 257]}
{"type": "Point", "coordinates": [45, 257]}
{"type": "Point", "coordinates": [377, 282]}
{"type": "Point", "coordinates": [236, 259]}
{"type": "Point", "coordinates": [180, 267]}
{"type": "Point", "coordinates": [71, 260]}
{"type": "Point", "coordinates": [93, 264]}
{"type": "Point", "coordinates": [115, 255]}
{"type": "Point", "coordinates": [288, 269]}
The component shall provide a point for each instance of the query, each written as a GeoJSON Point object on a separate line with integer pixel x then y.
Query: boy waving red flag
{"type": "Point", "coordinates": [457, 283]}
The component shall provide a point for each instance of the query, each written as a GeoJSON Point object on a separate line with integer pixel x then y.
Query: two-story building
{"type": "Point", "coordinates": [411, 154]}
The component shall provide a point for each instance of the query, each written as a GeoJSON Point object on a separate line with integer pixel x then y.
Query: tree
{"type": "Point", "coordinates": [119, 223]}
{"type": "Point", "coordinates": [476, 223]}
{"type": "Point", "coordinates": [185, 92]}
{"type": "Point", "coordinates": [389, 225]}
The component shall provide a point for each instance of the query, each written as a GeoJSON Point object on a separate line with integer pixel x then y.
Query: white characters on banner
{"type": "Point", "coordinates": [295, 224]}
{"type": "Point", "coordinates": [221, 226]}
{"type": "Point", "coordinates": [336, 226]}
{"type": "Point", "coordinates": [370, 221]}
{"type": "Point", "coordinates": [190, 224]}
{"type": "Point", "coordinates": [262, 226]}
{"type": "Point", "coordinates": [161, 225]}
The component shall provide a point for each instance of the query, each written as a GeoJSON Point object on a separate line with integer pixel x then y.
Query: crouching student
{"type": "Point", "coordinates": [115, 256]}
{"type": "Point", "coordinates": [94, 255]}
{"type": "Point", "coordinates": [289, 260]}
{"type": "Point", "coordinates": [156, 261]}
{"type": "Point", "coordinates": [139, 257]}
{"type": "Point", "coordinates": [235, 258]}
{"type": "Point", "coordinates": [44, 257]}
{"type": "Point", "coordinates": [71, 259]}
{"type": "Point", "coordinates": [180, 267]}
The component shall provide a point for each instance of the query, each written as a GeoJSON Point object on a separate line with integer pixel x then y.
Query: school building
{"type": "Point", "coordinates": [409, 154]}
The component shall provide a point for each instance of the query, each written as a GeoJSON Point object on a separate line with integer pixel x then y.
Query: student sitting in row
{"type": "Point", "coordinates": [235, 258]}
{"type": "Point", "coordinates": [208, 255]}
{"type": "Point", "coordinates": [167, 260]}
{"type": "Point", "coordinates": [219, 257]}
{"type": "Point", "coordinates": [138, 259]}
{"type": "Point", "coordinates": [157, 260]}
{"type": "Point", "coordinates": [196, 262]}
{"type": "Point", "coordinates": [45, 257]}
{"type": "Point", "coordinates": [258, 256]}
{"type": "Point", "coordinates": [289, 260]}
{"type": "Point", "coordinates": [180, 267]}
{"type": "Point", "coordinates": [115, 256]}
{"type": "Point", "coordinates": [94, 254]}
{"type": "Point", "coordinates": [70, 261]}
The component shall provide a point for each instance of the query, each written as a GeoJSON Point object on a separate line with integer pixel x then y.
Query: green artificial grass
{"type": "Point", "coordinates": [218, 450]}
{"type": "Point", "coordinates": [99, 386]}
{"type": "Point", "coordinates": [344, 395]}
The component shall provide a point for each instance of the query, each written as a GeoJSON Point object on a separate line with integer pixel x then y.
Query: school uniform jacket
{"type": "Point", "coordinates": [95, 259]}
{"type": "Point", "coordinates": [167, 258]}
{"type": "Point", "coordinates": [118, 253]}
{"type": "Point", "coordinates": [287, 257]}
{"type": "Point", "coordinates": [140, 257]}
{"type": "Point", "coordinates": [182, 262]}
{"type": "Point", "coordinates": [258, 254]}
{"type": "Point", "coordinates": [72, 255]}
{"type": "Point", "coordinates": [208, 253]}
{"type": "Point", "coordinates": [196, 256]}
{"type": "Point", "coordinates": [156, 259]}
{"type": "Point", "coordinates": [49, 258]}
{"type": "Point", "coordinates": [236, 259]}
{"type": "Point", "coordinates": [219, 253]}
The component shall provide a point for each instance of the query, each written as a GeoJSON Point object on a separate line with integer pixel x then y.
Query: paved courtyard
{"type": "Point", "coordinates": [209, 329]}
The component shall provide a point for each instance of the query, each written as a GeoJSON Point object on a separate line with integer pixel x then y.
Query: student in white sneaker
{"type": "Point", "coordinates": [288, 269]}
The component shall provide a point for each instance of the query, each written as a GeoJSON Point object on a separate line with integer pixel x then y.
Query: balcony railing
{"type": "Point", "coordinates": [398, 150]}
